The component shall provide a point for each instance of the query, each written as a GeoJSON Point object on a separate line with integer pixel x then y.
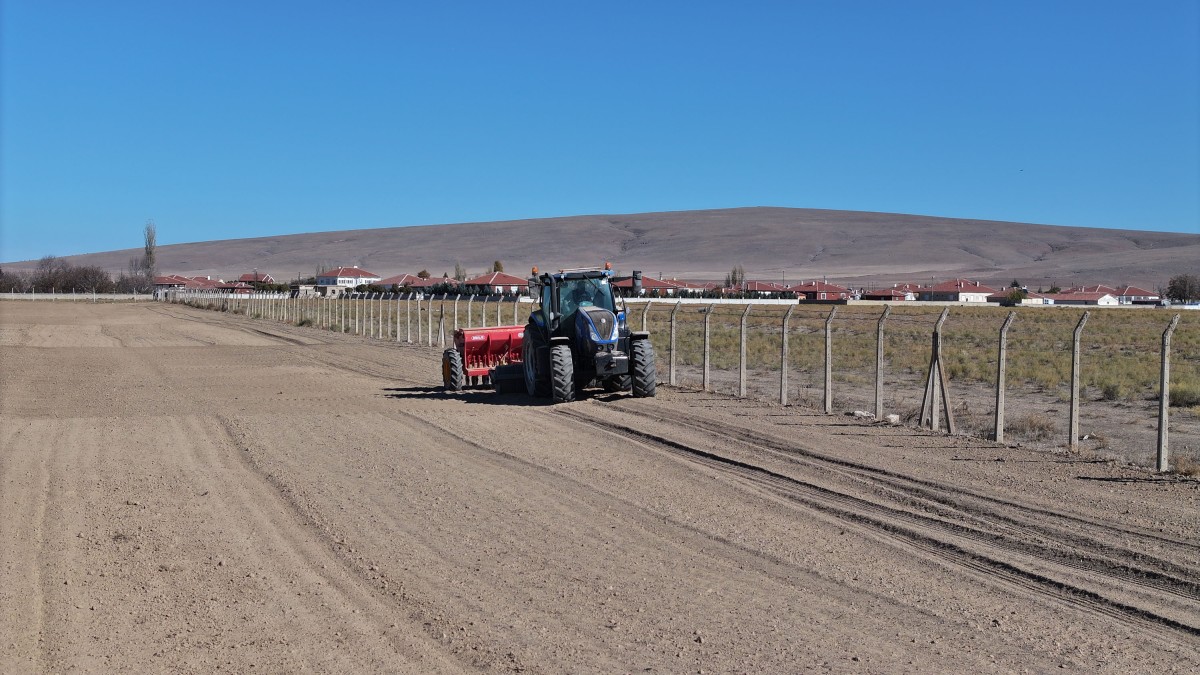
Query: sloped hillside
{"type": "Point", "coordinates": [770, 243]}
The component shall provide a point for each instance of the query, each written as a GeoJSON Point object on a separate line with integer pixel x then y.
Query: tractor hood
{"type": "Point", "coordinates": [596, 325]}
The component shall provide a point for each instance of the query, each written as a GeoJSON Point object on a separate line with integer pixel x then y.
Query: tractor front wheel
{"type": "Point", "coordinates": [617, 383]}
{"type": "Point", "coordinates": [562, 374]}
{"type": "Point", "coordinates": [645, 372]}
{"type": "Point", "coordinates": [453, 378]}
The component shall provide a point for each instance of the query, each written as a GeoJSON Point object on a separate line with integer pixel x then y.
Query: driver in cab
{"type": "Point", "coordinates": [582, 295]}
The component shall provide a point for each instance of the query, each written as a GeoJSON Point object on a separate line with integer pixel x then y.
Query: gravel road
{"type": "Point", "coordinates": [191, 491]}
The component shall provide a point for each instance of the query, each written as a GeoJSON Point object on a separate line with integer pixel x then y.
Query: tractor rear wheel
{"type": "Point", "coordinates": [534, 364]}
{"type": "Point", "coordinates": [562, 374]}
{"type": "Point", "coordinates": [645, 372]}
{"type": "Point", "coordinates": [453, 378]}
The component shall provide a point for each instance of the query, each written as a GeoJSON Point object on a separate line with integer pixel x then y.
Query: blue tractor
{"type": "Point", "coordinates": [579, 337]}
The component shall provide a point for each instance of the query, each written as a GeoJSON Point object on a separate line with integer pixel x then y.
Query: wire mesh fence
{"type": "Point", "coordinates": [832, 363]}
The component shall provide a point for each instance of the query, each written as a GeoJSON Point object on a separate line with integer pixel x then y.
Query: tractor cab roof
{"type": "Point", "coordinates": [575, 273]}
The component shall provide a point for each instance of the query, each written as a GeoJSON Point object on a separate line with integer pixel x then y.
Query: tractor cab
{"type": "Point", "coordinates": [577, 303]}
{"type": "Point", "coordinates": [578, 336]}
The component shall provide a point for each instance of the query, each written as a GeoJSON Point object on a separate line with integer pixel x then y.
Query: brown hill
{"type": "Point", "coordinates": [853, 247]}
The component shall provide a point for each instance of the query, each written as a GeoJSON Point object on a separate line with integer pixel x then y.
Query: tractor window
{"type": "Point", "coordinates": [576, 293]}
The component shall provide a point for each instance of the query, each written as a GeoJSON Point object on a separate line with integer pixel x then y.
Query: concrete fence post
{"type": "Point", "coordinates": [483, 312]}
{"type": "Point", "coordinates": [499, 309]}
{"type": "Point", "coordinates": [935, 385]}
{"type": "Point", "coordinates": [470, 301]}
{"type": "Point", "coordinates": [418, 320]}
{"type": "Point", "coordinates": [442, 326]}
{"type": "Point", "coordinates": [671, 366]}
{"type": "Point", "coordinates": [408, 317]}
{"type": "Point", "coordinates": [516, 310]}
{"type": "Point", "coordinates": [829, 360]}
{"type": "Point", "coordinates": [1076, 372]}
{"type": "Point", "coordinates": [645, 312]}
{"type": "Point", "coordinates": [429, 321]}
{"type": "Point", "coordinates": [704, 381]}
{"type": "Point", "coordinates": [742, 354]}
{"type": "Point", "coordinates": [783, 356]}
{"type": "Point", "coordinates": [1164, 397]}
{"type": "Point", "coordinates": [455, 321]}
{"type": "Point", "coordinates": [1001, 360]}
{"type": "Point", "coordinates": [887, 309]}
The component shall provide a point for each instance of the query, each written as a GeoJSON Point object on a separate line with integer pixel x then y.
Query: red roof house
{"type": "Point", "coordinates": [497, 283]}
{"type": "Point", "coordinates": [256, 278]}
{"type": "Point", "coordinates": [820, 290]}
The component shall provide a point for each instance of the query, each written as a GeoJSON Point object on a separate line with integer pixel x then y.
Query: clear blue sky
{"type": "Point", "coordinates": [230, 119]}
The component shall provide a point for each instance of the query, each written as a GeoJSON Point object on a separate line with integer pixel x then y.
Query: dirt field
{"type": "Point", "coordinates": [192, 491]}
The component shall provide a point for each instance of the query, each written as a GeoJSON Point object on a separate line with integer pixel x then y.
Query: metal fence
{"type": "Point", "coordinates": [1097, 381]}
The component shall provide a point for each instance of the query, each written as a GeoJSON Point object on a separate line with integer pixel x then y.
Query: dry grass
{"type": "Point", "coordinates": [1187, 465]}
{"type": "Point", "coordinates": [1185, 395]}
{"type": "Point", "coordinates": [1033, 427]}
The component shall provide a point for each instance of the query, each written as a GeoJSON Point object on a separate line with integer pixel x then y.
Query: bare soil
{"type": "Point", "coordinates": [193, 491]}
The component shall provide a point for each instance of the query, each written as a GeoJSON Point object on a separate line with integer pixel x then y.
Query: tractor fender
{"type": "Point", "coordinates": [639, 335]}
{"type": "Point", "coordinates": [559, 340]}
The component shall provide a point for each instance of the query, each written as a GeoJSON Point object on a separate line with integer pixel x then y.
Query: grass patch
{"type": "Point", "coordinates": [1185, 395]}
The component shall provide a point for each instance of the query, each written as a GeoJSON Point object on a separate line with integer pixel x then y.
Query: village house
{"type": "Point", "coordinates": [761, 289]}
{"type": "Point", "coordinates": [1031, 298]}
{"type": "Point", "coordinates": [1083, 298]}
{"type": "Point", "coordinates": [398, 281]}
{"type": "Point", "coordinates": [1132, 295]}
{"type": "Point", "coordinates": [694, 289]}
{"type": "Point", "coordinates": [496, 283]}
{"type": "Point", "coordinates": [256, 277]}
{"type": "Point", "coordinates": [651, 287]}
{"type": "Point", "coordinates": [956, 290]}
{"type": "Point", "coordinates": [889, 295]}
{"type": "Point", "coordinates": [820, 290]}
{"type": "Point", "coordinates": [345, 277]}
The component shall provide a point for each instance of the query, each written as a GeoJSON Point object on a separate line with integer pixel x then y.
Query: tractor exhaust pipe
{"type": "Point", "coordinates": [637, 283]}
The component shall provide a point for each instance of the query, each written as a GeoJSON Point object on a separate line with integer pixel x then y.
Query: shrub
{"type": "Point", "coordinates": [1032, 427]}
{"type": "Point", "coordinates": [1187, 465]}
{"type": "Point", "coordinates": [1185, 396]}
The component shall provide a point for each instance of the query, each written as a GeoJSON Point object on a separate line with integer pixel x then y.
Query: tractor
{"type": "Point", "coordinates": [579, 336]}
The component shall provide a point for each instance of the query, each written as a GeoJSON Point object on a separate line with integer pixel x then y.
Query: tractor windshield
{"type": "Point", "coordinates": [576, 293]}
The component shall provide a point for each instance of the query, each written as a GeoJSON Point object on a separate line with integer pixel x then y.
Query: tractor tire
{"type": "Point", "coordinates": [562, 374]}
{"type": "Point", "coordinates": [533, 363]}
{"type": "Point", "coordinates": [508, 379]}
{"type": "Point", "coordinates": [645, 372]}
{"type": "Point", "coordinates": [618, 383]}
{"type": "Point", "coordinates": [453, 378]}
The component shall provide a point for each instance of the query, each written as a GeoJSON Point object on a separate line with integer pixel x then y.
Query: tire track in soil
{"type": "Point", "coordinates": [884, 520]}
{"type": "Point", "coordinates": [561, 492]}
{"type": "Point", "coordinates": [948, 501]}
{"type": "Point", "coordinates": [261, 509]}
{"type": "Point", "coordinates": [22, 542]}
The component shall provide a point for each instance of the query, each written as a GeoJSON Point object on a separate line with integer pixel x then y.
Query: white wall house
{"type": "Point", "coordinates": [347, 277]}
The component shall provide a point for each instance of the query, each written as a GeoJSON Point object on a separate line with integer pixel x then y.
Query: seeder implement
{"type": "Point", "coordinates": [477, 355]}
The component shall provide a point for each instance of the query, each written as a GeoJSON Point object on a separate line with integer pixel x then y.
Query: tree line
{"type": "Point", "coordinates": [55, 275]}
